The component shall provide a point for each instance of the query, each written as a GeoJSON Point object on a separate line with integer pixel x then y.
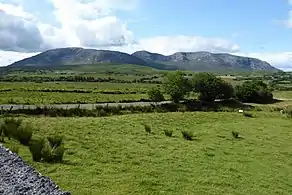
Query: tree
{"type": "Point", "coordinates": [211, 87]}
{"type": "Point", "coordinates": [155, 95]}
{"type": "Point", "coordinates": [176, 85]}
{"type": "Point", "coordinates": [254, 92]}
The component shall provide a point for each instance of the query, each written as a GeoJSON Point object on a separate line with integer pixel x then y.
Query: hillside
{"type": "Point", "coordinates": [194, 61]}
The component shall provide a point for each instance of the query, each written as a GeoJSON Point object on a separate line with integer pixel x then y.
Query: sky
{"type": "Point", "coordinates": [254, 28]}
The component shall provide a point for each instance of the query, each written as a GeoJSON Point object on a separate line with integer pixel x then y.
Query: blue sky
{"type": "Point", "coordinates": [258, 28]}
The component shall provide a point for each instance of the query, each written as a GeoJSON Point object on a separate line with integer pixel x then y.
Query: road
{"type": "Point", "coordinates": [68, 106]}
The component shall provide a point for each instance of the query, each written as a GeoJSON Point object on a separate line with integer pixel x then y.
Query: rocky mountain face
{"type": "Point", "coordinates": [196, 61]}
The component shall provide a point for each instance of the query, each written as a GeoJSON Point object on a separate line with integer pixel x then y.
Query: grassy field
{"type": "Point", "coordinates": [32, 93]}
{"type": "Point", "coordinates": [114, 155]}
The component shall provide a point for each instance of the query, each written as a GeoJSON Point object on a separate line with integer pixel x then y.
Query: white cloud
{"type": "Point", "coordinates": [19, 34]}
{"type": "Point", "coordinates": [94, 24]}
{"type": "Point", "coordinates": [8, 57]}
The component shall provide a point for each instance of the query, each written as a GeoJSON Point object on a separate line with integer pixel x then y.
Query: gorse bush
{"type": "Point", "coordinates": [168, 132]}
{"type": "Point", "coordinates": [187, 135]}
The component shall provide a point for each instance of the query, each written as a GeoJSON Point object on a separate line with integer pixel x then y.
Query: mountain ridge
{"type": "Point", "coordinates": [193, 61]}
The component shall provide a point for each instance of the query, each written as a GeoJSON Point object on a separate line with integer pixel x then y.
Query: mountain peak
{"type": "Point", "coordinates": [196, 61]}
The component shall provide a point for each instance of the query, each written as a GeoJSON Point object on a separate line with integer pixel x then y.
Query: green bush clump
{"type": "Point", "coordinates": [254, 92]}
{"type": "Point", "coordinates": [155, 95]}
{"type": "Point", "coordinates": [10, 127]}
{"type": "Point", "coordinates": [24, 134]}
{"type": "Point", "coordinates": [36, 147]}
{"type": "Point", "coordinates": [211, 87]}
{"type": "Point", "coordinates": [49, 150]}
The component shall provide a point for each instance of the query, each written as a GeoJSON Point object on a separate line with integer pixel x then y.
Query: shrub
{"type": "Point", "coordinates": [187, 135]}
{"type": "Point", "coordinates": [254, 92]}
{"type": "Point", "coordinates": [211, 87]}
{"type": "Point", "coordinates": [36, 147]}
{"type": "Point", "coordinates": [176, 85]}
{"type": "Point", "coordinates": [58, 154]}
{"type": "Point", "coordinates": [10, 127]}
{"type": "Point", "coordinates": [55, 141]}
{"type": "Point", "coordinates": [235, 134]}
{"type": "Point", "coordinates": [52, 152]}
{"type": "Point", "coordinates": [47, 152]}
{"type": "Point", "coordinates": [168, 132]}
{"type": "Point", "coordinates": [24, 134]}
{"type": "Point", "coordinates": [155, 95]}
{"type": "Point", "coordinates": [147, 128]}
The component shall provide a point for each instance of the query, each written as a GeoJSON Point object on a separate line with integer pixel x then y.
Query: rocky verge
{"type": "Point", "coordinates": [19, 178]}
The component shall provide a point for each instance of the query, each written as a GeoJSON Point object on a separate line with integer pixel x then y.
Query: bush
{"type": "Point", "coordinates": [36, 148]}
{"type": "Point", "coordinates": [49, 150]}
{"type": "Point", "coordinates": [235, 134]}
{"type": "Point", "coordinates": [254, 92]}
{"type": "Point", "coordinates": [211, 87]}
{"type": "Point", "coordinates": [58, 154]}
{"type": "Point", "coordinates": [176, 85]}
{"type": "Point", "coordinates": [10, 127]}
{"type": "Point", "coordinates": [24, 134]}
{"type": "Point", "coordinates": [55, 141]}
{"type": "Point", "coordinates": [168, 132]}
{"type": "Point", "coordinates": [187, 135]}
{"type": "Point", "coordinates": [155, 95]}
{"type": "Point", "coordinates": [147, 128]}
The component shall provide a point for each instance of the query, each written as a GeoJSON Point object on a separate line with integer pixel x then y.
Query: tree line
{"type": "Point", "coordinates": [210, 88]}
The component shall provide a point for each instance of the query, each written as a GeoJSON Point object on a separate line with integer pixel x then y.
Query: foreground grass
{"type": "Point", "coordinates": [115, 155]}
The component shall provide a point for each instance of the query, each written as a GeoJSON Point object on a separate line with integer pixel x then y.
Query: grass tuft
{"type": "Point", "coordinates": [187, 135]}
{"type": "Point", "coordinates": [235, 134]}
{"type": "Point", "coordinates": [147, 128]}
{"type": "Point", "coordinates": [168, 132]}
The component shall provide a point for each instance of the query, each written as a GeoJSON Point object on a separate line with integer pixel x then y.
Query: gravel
{"type": "Point", "coordinates": [18, 178]}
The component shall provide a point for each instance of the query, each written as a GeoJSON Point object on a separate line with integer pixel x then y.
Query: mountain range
{"type": "Point", "coordinates": [194, 61]}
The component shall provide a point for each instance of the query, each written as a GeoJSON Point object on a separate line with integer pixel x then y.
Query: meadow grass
{"type": "Point", "coordinates": [23, 97]}
{"type": "Point", "coordinates": [283, 94]}
{"type": "Point", "coordinates": [115, 155]}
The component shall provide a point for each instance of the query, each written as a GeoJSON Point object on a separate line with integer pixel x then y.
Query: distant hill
{"type": "Point", "coordinates": [194, 61]}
